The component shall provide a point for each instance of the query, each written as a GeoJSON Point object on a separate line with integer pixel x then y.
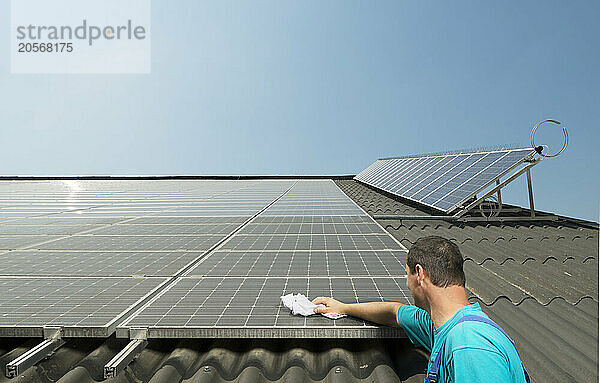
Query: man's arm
{"type": "Point", "coordinates": [377, 312]}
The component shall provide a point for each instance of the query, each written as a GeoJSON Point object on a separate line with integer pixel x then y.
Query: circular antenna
{"type": "Point", "coordinates": [540, 149]}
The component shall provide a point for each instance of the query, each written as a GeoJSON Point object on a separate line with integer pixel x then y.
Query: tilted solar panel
{"type": "Point", "coordinates": [442, 181]}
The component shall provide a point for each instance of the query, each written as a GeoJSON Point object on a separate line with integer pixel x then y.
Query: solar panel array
{"type": "Point", "coordinates": [313, 240]}
{"type": "Point", "coordinates": [188, 258]}
{"type": "Point", "coordinates": [443, 181]}
{"type": "Point", "coordinates": [83, 255]}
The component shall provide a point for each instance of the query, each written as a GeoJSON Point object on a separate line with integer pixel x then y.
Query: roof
{"type": "Point", "coordinates": [539, 281]}
{"type": "Point", "coordinates": [222, 360]}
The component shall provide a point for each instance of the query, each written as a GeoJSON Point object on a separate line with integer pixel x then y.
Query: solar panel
{"type": "Point", "coordinates": [82, 306]}
{"type": "Point", "coordinates": [54, 220]}
{"type": "Point", "coordinates": [94, 263]}
{"type": "Point", "coordinates": [188, 220]}
{"type": "Point", "coordinates": [312, 228]}
{"type": "Point", "coordinates": [206, 213]}
{"type": "Point", "coordinates": [173, 229]}
{"type": "Point", "coordinates": [331, 248]}
{"type": "Point", "coordinates": [311, 242]}
{"type": "Point", "coordinates": [312, 211]}
{"type": "Point", "coordinates": [249, 307]}
{"type": "Point", "coordinates": [443, 181]}
{"type": "Point", "coordinates": [312, 219]}
{"type": "Point", "coordinates": [132, 243]}
{"type": "Point", "coordinates": [10, 229]}
{"type": "Point", "coordinates": [303, 263]}
{"type": "Point", "coordinates": [20, 214]}
{"type": "Point", "coordinates": [14, 242]}
{"type": "Point", "coordinates": [84, 269]}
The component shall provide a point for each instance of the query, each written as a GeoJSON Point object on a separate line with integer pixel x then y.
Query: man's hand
{"type": "Point", "coordinates": [331, 306]}
{"type": "Point", "coordinates": [377, 312]}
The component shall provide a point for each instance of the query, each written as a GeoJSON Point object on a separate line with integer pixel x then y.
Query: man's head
{"type": "Point", "coordinates": [433, 262]}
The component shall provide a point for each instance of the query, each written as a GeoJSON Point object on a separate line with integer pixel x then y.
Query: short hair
{"type": "Point", "coordinates": [440, 258]}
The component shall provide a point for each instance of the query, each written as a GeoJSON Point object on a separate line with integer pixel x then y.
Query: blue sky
{"type": "Point", "coordinates": [272, 87]}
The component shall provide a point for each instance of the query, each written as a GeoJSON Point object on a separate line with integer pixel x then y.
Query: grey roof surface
{"type": "Point", "coordinates": [538, 281]}
{"type": "Point", "coordinates": [222, 360]}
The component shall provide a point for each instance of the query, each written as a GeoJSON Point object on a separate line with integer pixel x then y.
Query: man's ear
{"type": "Point", "coordinates": [420, 273]}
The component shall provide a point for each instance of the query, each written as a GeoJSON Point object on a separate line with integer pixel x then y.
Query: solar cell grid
{"type": "Point", "coordinates": [311, 228]}
{"type": "Point", "coordinates": [244, 303]}
{"type": "Point", "coordinates": [51, 221]}
{"type": "Point", "coordinates": [396, 169]}
{"type": "Point", "coordinates": [310, 242]}
{"type": "Point", "coordinates": [312, 219]}
{"type": "Point", "coordinates": [232, 205]}
{"type": "Point", "coordinates": [478, 166]}
{"type": "Point", "coordinates": [415, 169]}
{"type": "Point", "coordinates": [131, 243]}
{"type": "Point", "coordinates": [189, 220]}
{"type": "Point", "coordinates": [311, 207]}
{"type": "Point", "coordinates": [97, 263]}
{"type": "Point", "coordinates": [19, 214]}
{"type": "Point", "coordinates": [322, 204]}
{"type": "Point", "coordinates": [70, 302]}
{"type": "Point", "coordinates": [432, 165]}
{"type": "Point", "coordinates": [206, 213]}
{"type": "Point", "coordinates": [388, 263]}
{"type": "Point", "coordinates": [14, 242]}
{"type": "Point", "coordinates": [11, 229]}
{"type": "Point", "coordinates": [482, 178]}
{"type": "Point", "coordinates": [132, 206]}
{"type": "Point", "coordinates": [399, 168]}
{"type": "Point", "coordinates": [312, 212]}
{"type": "Point", "coordinates": [166, 229]}
{"type": "Point", "coordinates": [454, 181]}
{"type": "Point", "coordinates": [40, 209]}
{"type": "Point", "coordinates": [103, 214]}
{"type": "Point", "coordinates": [314, 239]}
{"type": "Point", "coordinates": [432, 181]}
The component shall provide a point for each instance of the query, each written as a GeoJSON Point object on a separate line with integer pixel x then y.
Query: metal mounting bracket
{"type": "Point", "coordinates": [133, 349]}
{"type": "Point", "coordinates": [52, 341]}
{"type": "Point", "coordinates": [496, 190]}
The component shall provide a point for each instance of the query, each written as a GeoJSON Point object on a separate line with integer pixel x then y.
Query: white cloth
{"type": "Point", "coordinates": [300, 305]}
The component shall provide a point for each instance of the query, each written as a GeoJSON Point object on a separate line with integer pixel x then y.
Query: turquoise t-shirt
{"type": "Point", "coordinates": [473, 352]}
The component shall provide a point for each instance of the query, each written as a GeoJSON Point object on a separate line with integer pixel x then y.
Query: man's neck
{"type": "Point", "coordinates": [445, 302]}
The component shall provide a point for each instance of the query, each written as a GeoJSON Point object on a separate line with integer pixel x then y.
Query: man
{"type": "Point", "coordinates": [473, 349]}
